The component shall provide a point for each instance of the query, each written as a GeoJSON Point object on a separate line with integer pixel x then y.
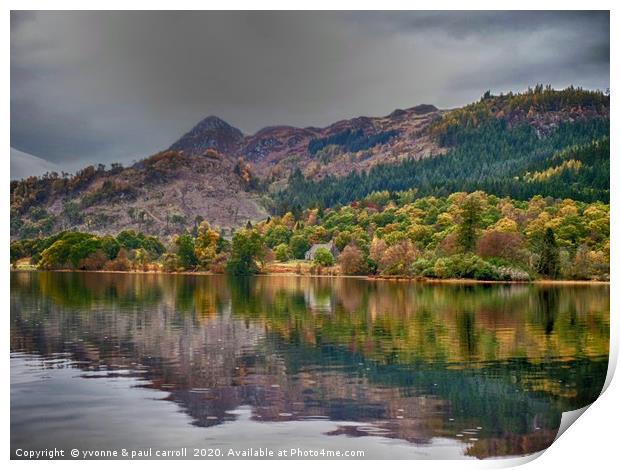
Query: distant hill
{"type": "Point", "coordinates": [496, 145]}
{"type": "Point", "coordinates": [509, 145]}
{"type": "Point", "coordinates": [210, 133]}
{"type": "Point", "coordinates": [273, 153]}
{"type": "Point", "coordinates": [161, 195]}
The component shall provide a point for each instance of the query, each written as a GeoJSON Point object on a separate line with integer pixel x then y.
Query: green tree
{"type": "Point", "coordinates": [323, 257]}
{"type": "Point", "coordinates": [69, 248]}
{"type": "Point", "coordinates": [152, 244]}
{"type": "Point", "coordinates": [282, 252]}
{"type": "Point", "coordinates": [186, 251]}
{"type": "Point", "coordinates": [467, 232]}
{"type": "Point", "coordinates": [276, 235]}
{"type": "Point", "coordinates": [129, 240]}
{"type": "Point", "coordinates": [83, 249]}
{"type": "Point", "coordinates": [248, 248]}
{"type": "Point", "coordinates": [549, 255]}
{"type": "Point", "coordinates": [110, 246]}
{"type": "Point", "coordinates": [55, 256]}
{"type": "Point", "coordinates": [343, 239]}
{"type": "Point", "coordinates": [299, 244]}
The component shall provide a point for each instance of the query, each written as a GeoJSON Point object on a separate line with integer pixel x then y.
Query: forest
{"type": "Point", "coordinates": [492, 157]}
{"type": "Point", "coordinates": [464, 235]}
{"type": "Point", "coordinates": [542, 141]}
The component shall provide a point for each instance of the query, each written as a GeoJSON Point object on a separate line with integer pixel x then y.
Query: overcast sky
{"type": "Point", "coordinates": [90, 87]}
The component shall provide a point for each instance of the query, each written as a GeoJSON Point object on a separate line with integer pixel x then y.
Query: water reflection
{"type": "Point", "coordinates": [490, 366]}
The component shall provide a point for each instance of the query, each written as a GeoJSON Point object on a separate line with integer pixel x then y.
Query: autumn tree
{"type": "Point", "coordinates": [581, 265]}
{"type": "Point", "coordinates": [377, 249]}
{"type": "Point", "coordinates": [120, 263]}
{"type": "Point", "coordinates": [499, 244]}
{"type": "Point", "coordinates": [141, 259]}
{"type": "Point", "coordinates": [95, 261]}
{"type": "Point", "coordinates": [398, 258]}
{"type": "Point", "coordinates": [205, 245]}
{"type": "Point", "coordinates": [352, 260]}
{"type": "Point", "coordinates": [170, 262]}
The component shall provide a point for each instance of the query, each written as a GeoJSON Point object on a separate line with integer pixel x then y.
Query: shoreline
{"type": "Point", "coordinates": [417, 280]}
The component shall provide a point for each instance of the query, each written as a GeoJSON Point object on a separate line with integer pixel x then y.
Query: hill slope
{"type": "Point", "coordinates": [160, 195]}
{"type": "Point", "coordinates": [213, 172]}
{"type": "Point", "coordinates": [516, 145]}
{"type": "Point", "coordinates": [493, 145]}
{"type": "Point", "coordinates": [273, 153]}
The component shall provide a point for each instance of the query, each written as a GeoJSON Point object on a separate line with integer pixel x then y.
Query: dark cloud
{"type": "Point", "coordinates": [117, 86]}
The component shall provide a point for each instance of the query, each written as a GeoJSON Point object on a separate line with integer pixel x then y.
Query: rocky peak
{"type": "Point", "coordinates": [212, 132]}
{"type": "Point", "coordinates": [211, 123]}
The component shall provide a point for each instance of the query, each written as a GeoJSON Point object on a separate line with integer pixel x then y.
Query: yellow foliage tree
{"type": "Point", "coordinates": [505, 225]}
{"type": "Point", "coordinates": [206, 244]}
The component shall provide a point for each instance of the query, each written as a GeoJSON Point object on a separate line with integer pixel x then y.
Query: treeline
{"type": "Point", "coordinates": [464, 235]}
{"type": "Point", "coordinates": [492, 157]}
{"type": "Point", "coordinates": [77, 250]}
{"type": "Point", "coordinates": [530, 106]}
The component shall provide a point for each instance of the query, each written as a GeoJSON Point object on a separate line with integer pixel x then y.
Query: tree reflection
{"type": "Point", "coordinates": [419, 361]}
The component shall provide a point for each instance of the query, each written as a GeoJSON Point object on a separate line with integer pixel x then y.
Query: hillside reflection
{"type": "Point", "coordinates": [494, 366]}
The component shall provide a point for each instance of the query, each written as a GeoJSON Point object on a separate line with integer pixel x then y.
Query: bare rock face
{"type": "Point", "coordinates": [211, 132]}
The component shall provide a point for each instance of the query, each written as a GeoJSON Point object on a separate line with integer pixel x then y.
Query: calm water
{"type": "Point", "coordinates": [398, 370]}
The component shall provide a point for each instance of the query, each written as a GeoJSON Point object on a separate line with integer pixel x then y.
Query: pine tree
{"type": "Point", "coordinates": [549, 255]}
{"type": "Point", "coordinates": [468, 229]}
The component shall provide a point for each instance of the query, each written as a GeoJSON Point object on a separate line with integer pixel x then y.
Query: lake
{"type": "Point", "coordinates": [105, 362]}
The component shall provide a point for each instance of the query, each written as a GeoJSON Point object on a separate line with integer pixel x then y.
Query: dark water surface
{"type": "Point", "coordinates": [398, 370]}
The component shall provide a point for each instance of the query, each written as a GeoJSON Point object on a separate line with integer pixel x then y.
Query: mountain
{"type": "Point", "coordinates": [495, 145]}
{"type": "Point", "coordinates": [543, 141]}
{"type": "Point", "coordinates": [162, 195]}
{"type": "Point", "coordinates": [273, 153]}
{"type": "Point", "coordinates": [210, 133]}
